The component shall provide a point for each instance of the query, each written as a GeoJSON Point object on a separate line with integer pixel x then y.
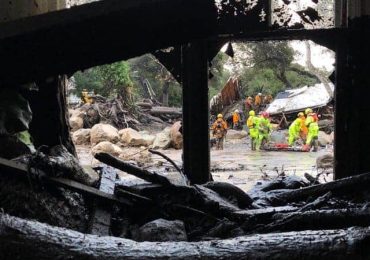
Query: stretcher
{"type": "Point", "coordinates": [283, 147]}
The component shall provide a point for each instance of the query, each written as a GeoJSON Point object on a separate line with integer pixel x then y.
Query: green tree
{"type": "Point", "coordinates": [271, 69]}
{"type": "Point", "coordinates": [276, 56]}
{"type": "Point", "coordinates": [108, 80]}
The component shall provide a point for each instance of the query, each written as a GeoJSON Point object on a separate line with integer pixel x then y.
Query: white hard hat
{"type": "Point", "coordinates": [236, 111]}
{"type": "Point", "coordinates": [259, 94]}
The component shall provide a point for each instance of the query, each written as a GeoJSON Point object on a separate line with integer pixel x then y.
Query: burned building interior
{"type": "Point", "coordinates": [49, 210]}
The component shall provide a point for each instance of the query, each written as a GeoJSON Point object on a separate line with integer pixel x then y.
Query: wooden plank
{"type": "Point", "coordinates": [10, 167]}
{"type": "Point", "coordinates": [101, 217]}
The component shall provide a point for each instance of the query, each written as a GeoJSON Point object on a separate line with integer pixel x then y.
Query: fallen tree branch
{"type": "Point", "coordinates": [342, 186]}
{"type": "Point", "coordinates": [172, 162]}
{"type": "Point", "coordinates": [316, 203]}
{"type": "Point", "coordinates": [133, 170]}
{"type": "Point", "coordinates": [318, 219]}
{"type": "Point", "coordinates": [25, 238]}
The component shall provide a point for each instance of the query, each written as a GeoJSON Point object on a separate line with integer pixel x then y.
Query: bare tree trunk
{"type": "Point", "coordinates": [165, 93]}
{"type": "Point", "coordinates": [24, 238]}
{"type": "Point", "coordinates": [281, 76]}
{"type": "Point", "coordinates": [315, 71]}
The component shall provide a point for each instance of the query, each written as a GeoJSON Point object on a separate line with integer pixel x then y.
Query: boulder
{"type": "Point", "coordinates": [76, 123]}
{"type": "Point", "coordinates": [79, 112]}
{"type": "Point", "coordinates": [81, 136]}
{"type": "Point", "coordinates": [106, 147]}
{"type": "Point", "coordinates": [325, 161]}
{"type": "Point", "coordinates": [176, 136]}
{"type": "Point", "coordinates": [161, 230]}
{"type": "Point", "coordinates": [131, 137]}
{"type": "Point", "coordinates": [162, 140]}
{"type": "Point", "coordinates": [141, 156]}
{"type": "Point", "coordinates": [234, 134]}
{"type": "Point", "coordinates": [324, 138]}
{"type": "Point", "coordinates": [76, 119]}
{"type": "Point", "coordinates": [103, 132]}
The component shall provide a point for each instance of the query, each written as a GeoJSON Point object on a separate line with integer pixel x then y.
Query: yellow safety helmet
{"type": "Point", "coordinates": [307, 111]}
{"type": "Point", "coordinates": [300, 114]}
{"type": "Point", "coordinates": [219, 116]}
{"type": "Point", "coordinates": [252, 113]}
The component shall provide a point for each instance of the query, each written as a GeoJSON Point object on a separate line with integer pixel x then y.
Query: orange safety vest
{"type": "Point", "coordinates": [235, 118]}
{"type": "Point", "coordinates": [257, 100]}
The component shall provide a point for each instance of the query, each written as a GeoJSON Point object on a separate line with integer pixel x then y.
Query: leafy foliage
{"type": "Point", "coordinates": [261, 67]}
{"type": "Point", "coordinates": [107, 80]}
{"type": "Point", "coordinates": [271, 69]}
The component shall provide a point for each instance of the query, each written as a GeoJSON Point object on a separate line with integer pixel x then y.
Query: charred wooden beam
{"type": "Point", "coordinates": [44, 241]}
{"type": "Point", "coordinates": [18, 170]}
{"type": "Point", "coordinates": [98, 33]}
{"type": "Point", "coordinates": [132, 169]}
{"type": "Point", "coordinates": [80, 38]}
{"type": "Point", "coordinates": [195, 112]}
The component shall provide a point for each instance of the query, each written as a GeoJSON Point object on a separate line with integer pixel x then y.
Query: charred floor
{"type": "Point", "coordinates": [52, 206]}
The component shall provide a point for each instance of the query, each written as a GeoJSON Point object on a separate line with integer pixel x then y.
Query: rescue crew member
{"type": "Point", "coordinates": [85, 97]}
{"type": "Point", "coordinates": [258, 102]}
{"type": "Point", "coordinates": [313, 130]}
{"type": "Point", "coordinates": [219, 128]}
{"type": "Point", "coordinates": [267, 99]}
{"type": "Point", "coordinates": [236, 119]}
{"type": "Point", "coordinates": [264, 130]}
{"type": "Point", "coordinates": [248, 104]}
{"type": "Point", "coordinates": [252, 123]}
{"type": "Point", "coordinates": [296, 128]}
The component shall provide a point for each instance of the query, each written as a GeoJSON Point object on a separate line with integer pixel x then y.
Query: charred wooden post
{"type": "Point", "coordinates": [195, 112]}
{"type": "Point", "coordinates": [50, 125]}
{"type": "Point", "coordinates": [352, 101]}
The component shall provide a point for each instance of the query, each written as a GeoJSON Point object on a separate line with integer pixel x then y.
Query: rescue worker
{"type": "Point", "coordinates": [252, 123]}
{"type": "Point", "coordinates": [219, 128]}
{"type": "Point", "coordinates": [313, 130]}
{"type": "Point", "coordinates": [258, 101]}
{"type": "Point", "coordinates": [296, 128]}
{"type": "Point", "coordinates": [267, 99]}
{"type": "Point", "coordinates": [236, 119]}
{"type": "Point", "coordinates": [85, 97]}
{"type": "Point", "coordinates": [248, 105]}
{"type": "Point", "coordinates": [264, 130]}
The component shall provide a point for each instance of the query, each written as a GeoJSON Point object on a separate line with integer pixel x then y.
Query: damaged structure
{"type": "Point", "coordinates": [50, 210]}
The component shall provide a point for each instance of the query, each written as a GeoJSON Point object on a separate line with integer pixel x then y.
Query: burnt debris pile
{"type": "Point", "coordinates": [42, 192]}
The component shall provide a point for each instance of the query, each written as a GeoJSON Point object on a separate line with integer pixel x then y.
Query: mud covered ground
{"type": "Point", "coordinates": [236, 164]}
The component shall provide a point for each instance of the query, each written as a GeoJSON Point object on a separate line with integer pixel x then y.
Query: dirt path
{"type": "Point", "coordinates": [236, 164]}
